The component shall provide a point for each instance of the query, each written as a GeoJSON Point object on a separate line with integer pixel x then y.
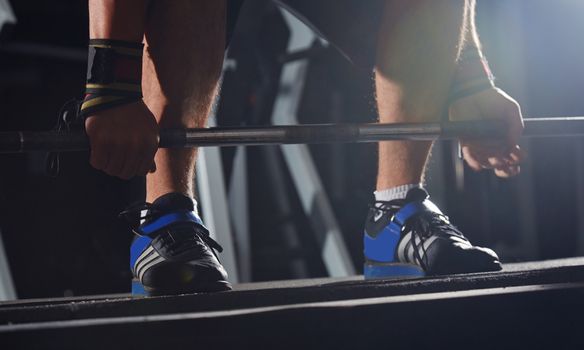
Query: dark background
{"type": "Point", "coordinates": [62, 234]}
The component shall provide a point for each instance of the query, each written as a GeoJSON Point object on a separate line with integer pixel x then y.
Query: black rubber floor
{"type": "Point", "coordinates": [533, 305]}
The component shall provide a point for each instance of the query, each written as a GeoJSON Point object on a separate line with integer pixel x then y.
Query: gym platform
{"type": "Point", "coordinates": [527, 305]}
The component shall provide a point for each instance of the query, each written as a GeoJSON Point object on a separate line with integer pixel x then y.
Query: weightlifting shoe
{"type": "Point", "coordinates": [412, 238]}
{"type": "Point", "coordinates": [173, 253]}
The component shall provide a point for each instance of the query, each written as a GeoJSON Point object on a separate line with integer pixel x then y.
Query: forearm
{"type": "Point", "coordinates": [472, 74]}
{"type": "Point", "coordinates": [471, 37]}
{"type": "Point", "coordinates": [418, 47]}
{"type": "Point", "coordinates": [114, 69]}
{"type": "Point", "coordinates": [117, 19]}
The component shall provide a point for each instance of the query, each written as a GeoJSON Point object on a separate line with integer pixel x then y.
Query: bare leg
{"type": "Point", "coordinates": [418, 45]}
{"type": "Point", "coordinates": [185, 42]}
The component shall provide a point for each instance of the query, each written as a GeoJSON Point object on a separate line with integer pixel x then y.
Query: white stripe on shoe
{"type": "Point", "coordinates": [410, 254]}
{"type": "Point", "coordinates": [407, 250]}
{"type": "Point", "coordinates": [143, 256]}
{"type": "Point", "coordinates": [402, 247]}
{"type": "Point", "coordinates": [428, 243]}
{"type": "Point", "coordinates": [145, 261]}
{"type": "Point", "coordinates": [149, 265]}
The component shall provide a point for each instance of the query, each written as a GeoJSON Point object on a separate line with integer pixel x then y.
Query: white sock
{"type": "Point", "coordinates": [394, 193]}
{"type": "Point", "coordinates": [196, 205]}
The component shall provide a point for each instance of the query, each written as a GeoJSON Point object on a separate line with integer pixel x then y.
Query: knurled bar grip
{"type": "Point", "coordinates": [25, 141]}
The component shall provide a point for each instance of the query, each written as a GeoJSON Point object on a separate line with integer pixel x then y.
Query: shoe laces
{"type": "Point", "coordinates": [152, 211]}
{"type": "Point", "coordinates": [422, 227]}
{"type": "Point", "coordinates": [138, 209]}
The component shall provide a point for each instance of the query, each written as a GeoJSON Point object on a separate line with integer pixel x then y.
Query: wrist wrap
{"type": "Point", "coordinates": [114, 75]}
{"type": "Point", "coordinates": [472, 75]}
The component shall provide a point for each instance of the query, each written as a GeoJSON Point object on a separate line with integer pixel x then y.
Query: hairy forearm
{"type": "Point", "coordinates": [472, 74]}
{"type": "Point", "coordinates": [471, 38]}
{"type": "Point", "coordinates": [117, 19]}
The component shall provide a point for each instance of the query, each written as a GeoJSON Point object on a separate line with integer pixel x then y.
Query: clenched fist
{"type": "Point", "coordinates": [123, 140]}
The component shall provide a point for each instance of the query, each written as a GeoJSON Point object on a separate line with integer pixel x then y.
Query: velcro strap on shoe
{"type": "Point", "coordinates": [151, 228]}
{"type": "Point", "coordinates": [382, 247]}
{"type": "Point", "coordinates": [409, 211]}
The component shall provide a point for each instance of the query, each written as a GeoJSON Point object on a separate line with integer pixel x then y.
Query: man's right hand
{"type": "Point", "coordinates": [123, 140]}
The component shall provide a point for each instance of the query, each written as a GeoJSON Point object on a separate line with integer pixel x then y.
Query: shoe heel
{"type": "Point", "coordinates": [138, 288]}
{"type": "Point", "coordinates": [392, 271]}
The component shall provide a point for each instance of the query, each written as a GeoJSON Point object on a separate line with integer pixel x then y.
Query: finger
{"type": "Point", "coordinates": [131, 165]}
{"type": "Point", "coordinates": [115, 165]}
{"type": "Point", "coordinates": [98, 157]}
{"type": "Point", "coordinates": [497, 162]}
{"type": "Point", "coordinates": [497, 156]}
{"type": "Point", "coordinates": [137, 154]}
{"type": "Point", "coordinates": [517, 155]}
{"type": "Point", "coordinates": [503, 173]}
{"type": "Point", "coordinates": [481, 156]}
{"type": "Point", "coordinates": [490, 154]}
{"type": "Point", "coordinates": [472, 162]}
{"type": "Point", "coordinates": [508, 172]}
{"type": "Point", "coordinates": [146, 163]}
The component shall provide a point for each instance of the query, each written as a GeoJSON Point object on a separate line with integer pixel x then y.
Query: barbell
{"type": "Point", "coordinates": [55, 141]}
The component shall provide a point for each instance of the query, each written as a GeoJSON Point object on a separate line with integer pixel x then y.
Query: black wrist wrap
{"type": "Point", "coordinates": [472, 76]}
{"type": "Point", "coordinates": [114, 75]}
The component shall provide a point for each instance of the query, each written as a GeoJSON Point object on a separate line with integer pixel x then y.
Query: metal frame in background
{"type": "Point", "coordinates": [314, 200]}
{"type": "Point", "coordinates": [7, 290]}
{"type": "Point", "coordinates": [6, 14]}
{"type": "Point", "coordinates": [212, 194]}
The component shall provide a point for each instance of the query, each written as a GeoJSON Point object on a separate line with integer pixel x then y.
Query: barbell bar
{"type": "Point", "coordinates": [29, 141]}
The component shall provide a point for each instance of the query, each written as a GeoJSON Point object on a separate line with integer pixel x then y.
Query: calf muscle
{"type": "Point", "coordinates": [418, 44]}
{"type": "Point", "coordinates": [185, 42]}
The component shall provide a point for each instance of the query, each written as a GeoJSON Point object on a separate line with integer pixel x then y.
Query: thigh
{"type": "Point", "coordinates": [350, 25]}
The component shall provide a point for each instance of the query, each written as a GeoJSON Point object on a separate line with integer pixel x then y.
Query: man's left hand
{"type": "Point", "coordinates": [503, 156]}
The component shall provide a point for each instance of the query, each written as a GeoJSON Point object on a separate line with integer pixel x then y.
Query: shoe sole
{"type": "Point", "coordinates": [375, 270]}
{"type": "Point", "coordinates": [138, 289]}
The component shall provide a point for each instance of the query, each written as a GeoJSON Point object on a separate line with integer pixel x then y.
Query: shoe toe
{"type": "Point", "coordinates": [462, 257]}
{"type": "Point", "coordinates": [479, 259]}
{"type": "Point", "coordinates": [189, 277]}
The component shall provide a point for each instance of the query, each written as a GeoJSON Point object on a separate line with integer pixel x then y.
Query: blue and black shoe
{"type": "Point", "coordinates": [173, 253]}
{"type": "Point", "coordinates": [412, 238]}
